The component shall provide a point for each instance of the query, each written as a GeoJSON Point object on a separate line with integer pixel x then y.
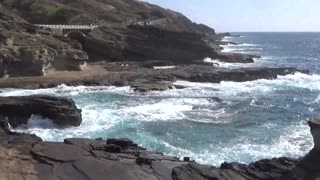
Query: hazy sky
{"type": "Point", "coordinates": [250, 15]}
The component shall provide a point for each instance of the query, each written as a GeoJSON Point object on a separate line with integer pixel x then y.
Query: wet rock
{"type": "Point", "coordinates": [122, 142]}
{"type": "Point", "coordinates": [153, 87]}
{"type": "Point", "coordinates": [62, 111]}
{"type": "Point", "coordinates": [308, 167]}
{"type": "Point", "coordinates": [112, 148]}
{"type": "Point", "coordinates": [215, 99]}
{"type": "Point", "coordinates": [236, 58]}
{"type": "Point", "coordinates": [203, 73]}
{"type": "Point", "coordinates": [263, 169]}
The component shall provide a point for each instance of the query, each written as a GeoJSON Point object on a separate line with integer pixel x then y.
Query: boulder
{"type": "Point", "coordinates": [62, 111]}
{"type": "Point", "coordinates": [308, 167]}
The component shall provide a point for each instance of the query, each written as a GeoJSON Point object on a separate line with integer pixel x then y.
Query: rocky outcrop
{"type": "Point", "coordinates": [144, 43]}
{"type": "Point", "coordinates": [129, 31]}
{"type": "Point", "coordinates": [264, 170]}
{"type": "Point", "coordinates": [26, 50]}
{"type": "Point", "coordinates": [203, 73]}
{"type": "Point", "coordinates": [236, 57]}
{"type": "Point", "coordinates": [309, 166]}
{"type": "Point", "coordinates": [62, 111]}
{"type": "Point", "coordinates": [143, 77]}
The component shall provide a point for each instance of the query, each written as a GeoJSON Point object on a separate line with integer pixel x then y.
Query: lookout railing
{"type": "Point", "coordinates": [62, 26]}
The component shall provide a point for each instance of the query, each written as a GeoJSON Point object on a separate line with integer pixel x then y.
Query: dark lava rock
{"type": "Point", "coordinates": [4, 123]}
{"type": "Point", "coordinates": [149, 157]}
{"type": "Point", "coordinates": [194, 171]}
{"type": "Point", "coordinates": [236, 57]}
{"type": "Point", "coordinates": [263, 169]}
{"type": "Point", "coordinates": [309, 166]}
{"type": "Point", "coordinates": [153, 87]}
{"type": "Point", "coordinates": [123, 142]}
{"type": "Point", "coordinates": [203, 73]}
{"type": "Point", "coordinates": [112, 148]}
{"type": "Point", "coordinates": [62, 111]}
{"type": "Point", "coordinates": [58, 152]}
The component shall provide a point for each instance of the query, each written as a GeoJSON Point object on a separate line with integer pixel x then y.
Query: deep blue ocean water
{"type": "Point", "coordinates": [255, 120]}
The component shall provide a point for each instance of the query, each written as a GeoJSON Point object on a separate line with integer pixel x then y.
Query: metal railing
{"type": "Point", "coordinates": [62, 26]}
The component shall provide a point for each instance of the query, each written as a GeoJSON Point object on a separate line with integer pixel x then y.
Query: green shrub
{"type": "Point", "coordinates": [59, 13]}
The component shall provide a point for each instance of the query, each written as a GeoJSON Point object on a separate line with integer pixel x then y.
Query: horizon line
{"type": "Point", "coordinates": [268, 31]}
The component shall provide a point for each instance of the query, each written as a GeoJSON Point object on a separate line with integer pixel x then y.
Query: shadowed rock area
{"type": "Point", "coordinates": [62, 111]}
{"type": "Point", "coordinates": [28, 157]}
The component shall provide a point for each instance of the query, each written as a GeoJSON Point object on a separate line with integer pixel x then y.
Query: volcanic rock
{"type": "Point", "coordinates": [62, 111]}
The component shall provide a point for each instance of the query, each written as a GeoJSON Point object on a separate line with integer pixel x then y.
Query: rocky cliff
{"type": "Point", "coordinates": [28, 51]}
{"type": "Point", "coordinates": [129, 30]}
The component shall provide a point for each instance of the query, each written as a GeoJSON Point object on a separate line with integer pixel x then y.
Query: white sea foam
{"type": "Point", "coordinates": [248, 45]}
{"type": "Point", "coordinates": [227, 38]}
{"type": "Point", "coordinates": [164, 67]}
{"type": "Point", "coordinates": [295, 142]}
{"type": "Point", "coordinates": [217, 63]}
{"type": "Point", "coordinates": [236, 90]}
{"type": "Point", "coordinates": [167, 109]}
{"type": "Point", "coordinates": [65, 90]}
{"type": "Point", "coordinates": [36, 122]}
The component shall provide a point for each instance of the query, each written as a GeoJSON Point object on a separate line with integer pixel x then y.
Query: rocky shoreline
{"type": "Point", "coordinates": [26, 156]}
{"type": "Point", "coordinates": [120, 52]}
{"type": "Point", "coordinates": [142, 78]}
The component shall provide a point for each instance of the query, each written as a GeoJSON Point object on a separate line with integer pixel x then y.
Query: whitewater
{"type": "Point", "coordinates": [212, 123]}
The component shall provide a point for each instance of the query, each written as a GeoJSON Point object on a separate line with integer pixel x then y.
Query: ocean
{"type": "Point", "coordinates": [211, 123]}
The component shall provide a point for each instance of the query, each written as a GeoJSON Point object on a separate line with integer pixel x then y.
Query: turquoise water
{"type": "Point", "coordinates": [253, 120]}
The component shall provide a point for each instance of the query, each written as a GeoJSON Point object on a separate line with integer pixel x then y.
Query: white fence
{"type": "Point", "coordinates": [61, 26]}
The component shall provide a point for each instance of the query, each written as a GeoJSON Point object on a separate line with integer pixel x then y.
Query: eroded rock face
{"type": "Point", "coordinates": [26, 50]}
{"type": "Point", "coordinates": [62, 111]}
{"type": "Point", "coordinates": [145, 43]}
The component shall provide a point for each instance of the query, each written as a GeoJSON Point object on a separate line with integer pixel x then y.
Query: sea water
{"type": "Point", "coordinates": [211, 123]}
